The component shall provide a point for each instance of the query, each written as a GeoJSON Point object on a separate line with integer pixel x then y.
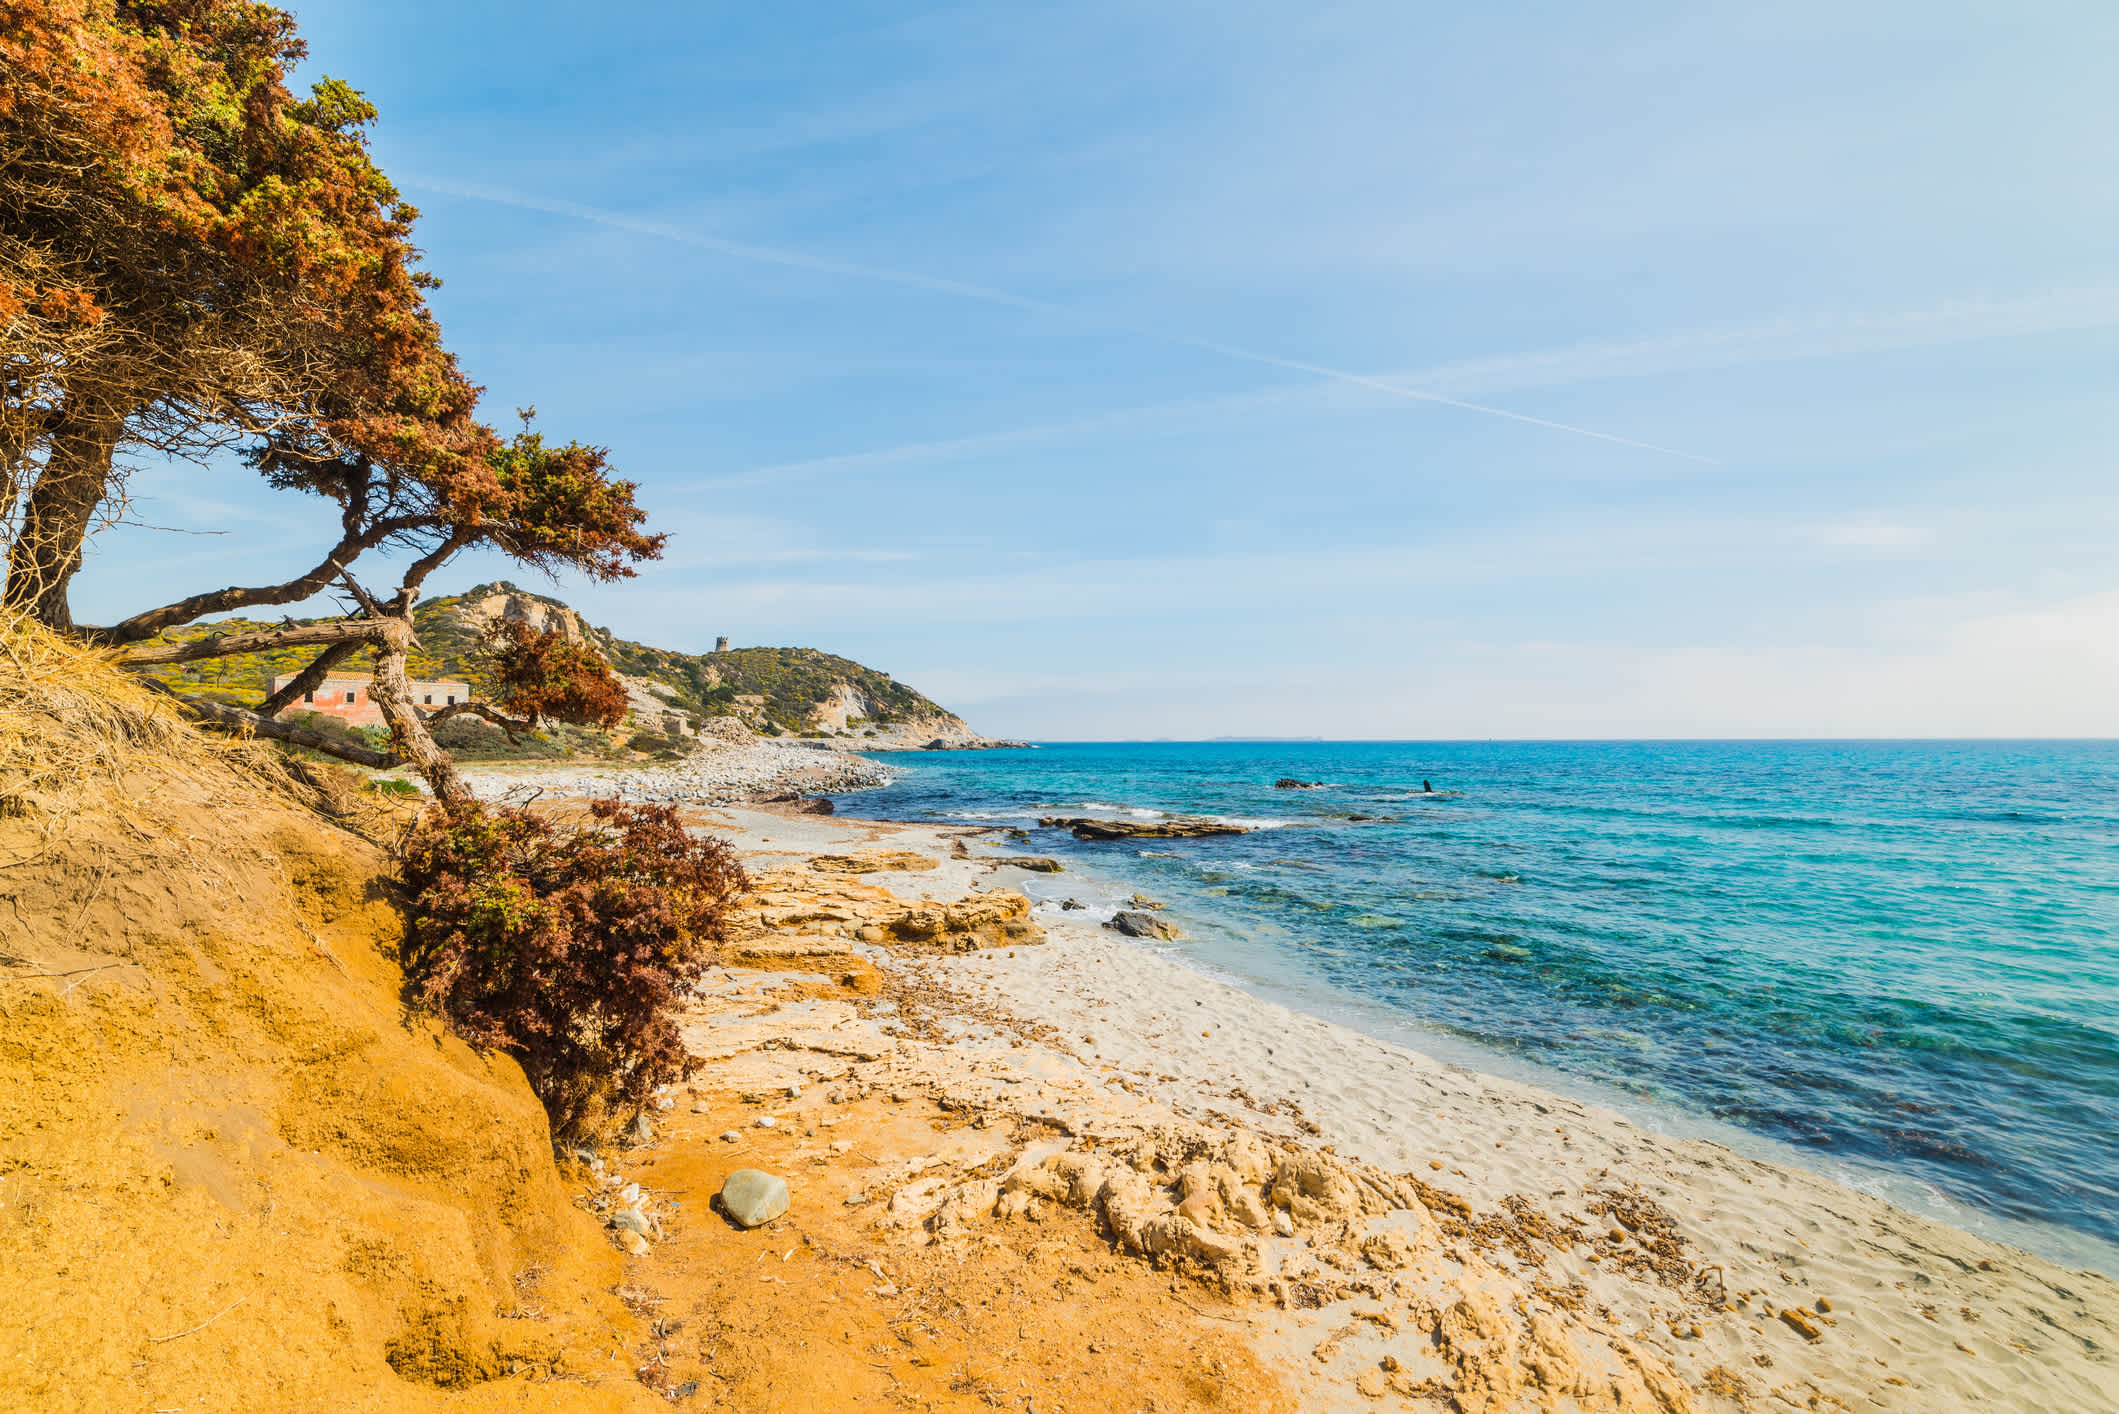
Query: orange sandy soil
{"type": "Point", "coordinates": [238, 1173]}
{"type": "Point", "coordinates": [792, 1316]}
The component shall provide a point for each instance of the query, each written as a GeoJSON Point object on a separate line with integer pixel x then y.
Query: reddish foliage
{"type": "Point", "coordinates": [569, 946]}
{"type": "Point", "coordinates": [545, 674]}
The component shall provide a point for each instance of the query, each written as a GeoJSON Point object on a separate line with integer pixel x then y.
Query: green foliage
{"type": "Point", "coordinates": [569, 946]}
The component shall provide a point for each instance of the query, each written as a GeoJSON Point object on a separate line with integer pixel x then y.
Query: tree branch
{"type": "Point", "coordinates": [221, 714]}
{"type": "Point", "coordinates": [183, 611]}
{"type": "Point", "coordinates": [308, 679]}
{"type": "Point", "coordinates": [510, 725]}
{"type": "Point", "coordinates": [383, 633]}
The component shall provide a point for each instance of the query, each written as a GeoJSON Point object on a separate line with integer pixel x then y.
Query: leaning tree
{"type": "Point", "coordinates": [194, 261]}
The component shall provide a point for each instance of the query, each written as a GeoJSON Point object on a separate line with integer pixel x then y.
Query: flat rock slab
{"type": "Point", "coordinates": [752, 1198]}
{"type": "Point", "coordinates": [1143, 925]}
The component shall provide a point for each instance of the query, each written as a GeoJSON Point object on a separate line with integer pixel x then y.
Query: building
{"type": "Point", "coordinates": [347, 699]}
{"type": "Point", "coordinates": [721, 644]}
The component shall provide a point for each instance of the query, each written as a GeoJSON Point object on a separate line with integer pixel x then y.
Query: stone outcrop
{"type": "Point", "coordinates": [1143, 925]}
{"type": "Point", "coordinates": [833, 903]}
{"type": "Point", "coordinates": [1179, 828]}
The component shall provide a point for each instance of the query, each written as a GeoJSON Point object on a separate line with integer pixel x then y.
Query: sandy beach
{"type": "Point", "coordinates": [1376, 1228]}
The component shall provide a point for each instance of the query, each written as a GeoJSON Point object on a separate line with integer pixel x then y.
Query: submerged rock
{"type": "Point", "coordinates": [1290, 783]}
{"type": "Point", "coordinates": [752, 1198]}
{"type": "Point", "coordinates": [1182, 828]}
{"type": "Point", "coordinates": [1143, 925]}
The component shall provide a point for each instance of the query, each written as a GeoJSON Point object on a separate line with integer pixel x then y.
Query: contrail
{"type": "Point", "coordinates": [773, 255]}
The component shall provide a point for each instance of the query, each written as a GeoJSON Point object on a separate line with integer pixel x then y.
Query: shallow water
{"type": "Point", "coordinates": [1903, 955]}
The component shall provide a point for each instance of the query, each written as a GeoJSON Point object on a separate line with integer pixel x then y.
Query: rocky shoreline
{"type": "Point", "coordinates": [979, 1105]}
{"type": "Point", "coordinates": [718, 773]}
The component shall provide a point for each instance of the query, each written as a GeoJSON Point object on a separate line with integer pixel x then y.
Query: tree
{"type": "Point", "coordinates": [192, 260]}
{"type": "Point", "coordinates": [189, 256]}
{"type": "Point", "coordinates": [549, 507]}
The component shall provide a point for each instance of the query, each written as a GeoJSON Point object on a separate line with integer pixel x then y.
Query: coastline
{"type": "Point", "coordinates": [1106, 1041]}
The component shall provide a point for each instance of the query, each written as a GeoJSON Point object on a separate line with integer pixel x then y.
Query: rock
{"type": "Point", "coordinates": [642, 1132]}
{"type": "Point", "coordinates": [752, 1198]}
{"type": "Point", "coordinates": [873, 862]}
{"type": "Point", "coordinates": [632, 1220]}
{"type": "Point", "coordinates": [1143, 925]}
{"type": "Point", "coordinates": [1290, 783]}
{"type": "Point", "coordinates": [794, 1091]}
{"type": "Point", "coordinates": [701, 1107]}
{"type": "Point", "coordinates": [842, 1146]}
{"type": "Point", "coordinates": [817, 805]}
{"type": "Point", "coordinates": [1182, 828]}
{"type": "Point", "coordinates": [633, 1242]}
{"type": "Point", "coordinates": [731, 1136]}
{"type": "Point", "coordinates": [766, 1121]}
{"type": "Point", "coordinates": [1035, 863]}
{"type": "Point", "coordinates": [1143, 901]}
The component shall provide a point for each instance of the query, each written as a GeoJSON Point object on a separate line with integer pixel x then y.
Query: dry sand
{"type": "Point", "coordinates": [1591, 1264]}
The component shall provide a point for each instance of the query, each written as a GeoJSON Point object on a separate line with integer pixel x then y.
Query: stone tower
{"type": "Point", "coordinates": [721, 644]}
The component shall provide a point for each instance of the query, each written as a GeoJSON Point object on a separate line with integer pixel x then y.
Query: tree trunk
{"type": "Point", "coordinates": [57, 516]}
{"type": "Point", "coordinates": [391, 690]}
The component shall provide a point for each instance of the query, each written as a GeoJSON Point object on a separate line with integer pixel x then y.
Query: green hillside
{"type": "Point", "coordinates": [772, 688]}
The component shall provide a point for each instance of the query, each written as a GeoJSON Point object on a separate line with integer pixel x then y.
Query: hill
{"type": "Point", "coordinates": [773, 691]}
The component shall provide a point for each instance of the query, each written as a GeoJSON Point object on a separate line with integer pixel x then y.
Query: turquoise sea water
{"type": "Point", "coordinates": [1900, 957]}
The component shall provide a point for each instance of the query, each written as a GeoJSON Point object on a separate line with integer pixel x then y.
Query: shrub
{"type": "Point", "coordinates": [568, 945]}
{"type": "Point", "coordinates": [543, 673]}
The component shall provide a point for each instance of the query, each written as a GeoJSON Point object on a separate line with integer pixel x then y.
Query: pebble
{"type": "Point", "coordinates": [731, 1136]}
{"type": "Point", "coordinates": [630, 1194]}
{"type": "Point", "coordinates": [841, 1146]}
{"type": "Point", "coordinates": [766, 1121]}
{"type": "Point", "coordinates": [633, 1242]}
{"type": "Point", "coordinates": [752, 1197]}
{"type": "Point", "coordinates": [632, 1220]}
{"type": "Point", "coordinates": [794, 1092]}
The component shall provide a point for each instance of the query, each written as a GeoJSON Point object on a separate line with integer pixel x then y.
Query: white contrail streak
{"type": "Point", "coordinates": [772, 255]}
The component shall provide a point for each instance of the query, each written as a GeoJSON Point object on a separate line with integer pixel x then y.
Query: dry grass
{"type": "Point", "coordinates": [79, 735]}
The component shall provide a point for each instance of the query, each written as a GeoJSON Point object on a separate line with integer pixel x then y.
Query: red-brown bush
{"type": "Point", "coordinates": [568, 945]}
{"type": "Point", "coordinates": [543, 673]}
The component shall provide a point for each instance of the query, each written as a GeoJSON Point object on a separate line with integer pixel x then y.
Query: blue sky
{"type": "Point", "coordinates": [1397, 370]}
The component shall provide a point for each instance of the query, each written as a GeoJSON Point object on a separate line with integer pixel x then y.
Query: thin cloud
{"type": "Point", "coordinates": [773, 255]}
{"type": "Point", "coordinates": [1952, 321]}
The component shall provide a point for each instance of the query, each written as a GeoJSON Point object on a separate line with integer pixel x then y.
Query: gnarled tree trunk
{"type": "Point", "coordinates": [391, 690]}
{"type": "Point", "coordinates": [58, 513]}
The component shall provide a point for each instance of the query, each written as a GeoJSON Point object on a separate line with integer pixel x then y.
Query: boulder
{"type": "Point", "coordinates": [752, 1198]}
{"type": "Point", "coordinates": [1035, 863]}
{"type": "Point", "coordinates": [1143, 925]}
{"type": "Point", "coordinates": [1181, 828]}
{"type": "Point", "coordinates": [1290, 783]}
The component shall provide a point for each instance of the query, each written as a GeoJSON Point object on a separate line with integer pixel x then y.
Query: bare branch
{"type": "Point", "coordinates": [308, 679]}
{"type": "Point", "coordinates": [221, 714]}
{"type": "Point", "coordinates": [383, 633]}
{"type": "Point", "coordinates": [510, 725]}
{"type": "Point", "coordinates": [146, 625]}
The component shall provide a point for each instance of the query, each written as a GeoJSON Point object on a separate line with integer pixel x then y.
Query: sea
{"type": "Point", "coordinates": [1893, 962]}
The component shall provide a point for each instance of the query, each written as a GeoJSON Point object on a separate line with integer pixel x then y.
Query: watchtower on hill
{"type": "Point", "coordinates": [721, 644]}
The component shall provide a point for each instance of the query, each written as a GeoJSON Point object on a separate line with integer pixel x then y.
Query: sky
{"type": "Point", "coordinates": [1397, 370]}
